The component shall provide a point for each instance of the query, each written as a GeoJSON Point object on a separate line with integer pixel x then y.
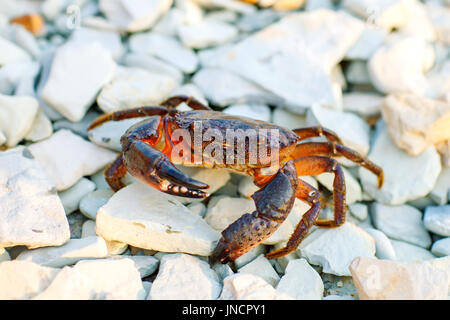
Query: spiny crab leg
{"type": "Point", "coordinates": [317, 131]}
{"type": "Point", "coordinates": [173, 102]}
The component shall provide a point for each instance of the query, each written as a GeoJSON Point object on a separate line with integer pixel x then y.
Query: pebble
{"type": "Point", "coordinates": [242, 286]}
{"type": "Point", "coordinates": [190, 90]}
{"type": "Point", "coordinates": [11, 53]}
{"type": "Point", "coordinates": [301, 281]}
{"type": "Point", "coordinates": [415, 122]}
{"type": "Point", "coordinates": [105, 279]}
{"type": "Point", "coordinates": [80, 127]}
{"type": "Point", "coordinates": [441, 247]}
{"type": "Point", "coordinates": [401, 222]}
{"type": "Point", "coordinates": [359, 210]}
{"type": "Point", "coordinates": [17, 115]}
{"type": "Point", "coordinates": [334, 249]}
{"type": "Point", "coordinates": [441, 190]}
{"type": "Point", "coordinates": [165, 48]}
{"type": "Point", "coordinates": [134, 16]}
{"type": "Point", "coordinates": [288, 119]}
{"type": "Point", "coordinates": [71, 90]}
{"type": "Point", "coordinates": [440, 17]}
{"type": "Point", "coordinates": [132, 88]}
{"type": "Point", "coordinates": [418, 22]}
{"type": "Point", "coordinates": [94, 200]}
{"type": "Point", "coordinates": [261, 267]}
{"type": "Point", "coordinates": [207, 33]}
{"type": "Point", "coordinates": [41, 128]}
{"type": "Point", "coordinates": [113, 247]}
{"type": "Point", "coordinates": [368, 42]}
{"type": "Point", "coordinates": [15, 78]}
{"type": "Point", "coordinates": [406, 252]}
{"type": "Point", "coordinates": [249, 256]}
{"type": "Point", "coordinates": [66, 157]}
{"type": "Point", "coordinates": [146, 218]}
{"type": "Point", "coordinates": [384, 249]}
{"type": "Point", "coordinates": [146, 265]}
{"type": "Point", "coordinates": [71, 197]}
{"type": "Point", "coordinates": [70, 253]}
{"type": "Point", "coordinates": [444, 150]}
{"type": "Point", "coordinates": [362, 103]}
{"type": "Point", "coordinates": [357, 73]}
{"type": "Point", "coordinates": [406, 177]}
{"type": "Point", "coordinates": [32, 214]}
{"type": "Point", "coordinates": [185, 277]}
{"type": "Point", "coordinates": [352, 187]}
{"type": "Point", "coordinates": [389, 280]}
{"type": "Point", "coordinates": [252, 111]}
{"type": "Point", "coordinates": [437, 219]}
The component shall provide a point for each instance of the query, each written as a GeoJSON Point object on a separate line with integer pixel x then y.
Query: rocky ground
{"type": "Point", "coordinates": [375, 72]}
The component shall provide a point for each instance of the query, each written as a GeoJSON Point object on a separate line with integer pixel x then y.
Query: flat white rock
{"type": "Point", "coordinates": [71, 252]}
{"type": "Point", "coordinates": [17, 115]}
{"type": "Point", "coordinates": [384, 248]}
{"type": "Point", "coordinates": [77, 74]}
{"type": "Point", "coordinates": [261, 267]}
{"type": "Point", "coordinates": [30, 210]}
{"type": "Point", "coordinates": [441, 190]}
{"type": "Point", "coordinates": [11, 53]}
{"type": "Point", "coordinates": [287, 119]}
{"type": "Point", "coordinates": [441, 247]}
{"type": "Point", "coordinates": [389, 280]}
{"type": "Point", "coordinates": [93, 201]}
{"type": "Point", "coordinates": [437, 219]}
{"type": "Point", "coordinates": [406, 177]}
{"type": "Point", "coordinates": [41, 128]}
{"type": "Point", "coordinates": [206, 33]}
{"type": "Point", "coordinates": [334, 249]}
{"type": "Point", "coordinates": [301, 281]}
{"type": "Point", "coordinates": [146, 265]}
{"type": "Point", "coordinates": [406, 252]}
{"type": "Point", "coordinates": [252, 111]}
{"type": "Point", "coordinates": [71, 197]}
{"type": "Point", "coordinates": [66, 157]}
{"type": "Point", "coordinates": [402, 222]}
{"type": "Point", "coordinates": [182, 276]}
{"type": "Point", "coordinates": [362, 103]}
{"type": "Point", "coordinates": [149, 219]}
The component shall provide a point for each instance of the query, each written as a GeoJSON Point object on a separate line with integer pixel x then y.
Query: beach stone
{"type": "Point", "coordinates": [402, 223]}
{"type": "Point", "coordinates": [71, 197]}
{"type": "Point", "coordinates": [444, 150]}
{"type": "Point", "coordinates": [384, 249]}
{"type": "Point", "coordinates": [190, 90]}
{"type": "Point", "coordinates": [261, 267]}
{"type": "Point", "coordinates": [146, 265]}
{"type": "Point", "coordinates": [288, 119]}
{"type": "Point", "coordinates": [132, 88]}
{"type": "Point", "coordinates": [182, 276]}
{"type": "Point", "coordinates": [441, 190]}
{"type": "Point", "coordinates": [441, 247]}
{"type": "Point", "coordinates": [93, 201]}
{"type": "Point", "coordinates": [17, 115]}
{"type": "Point", "coordinates": [357, 73]}
{"type": "Point", "coordinates": [415, 122]}
{"type": "Point", "coordinates": [66, 157]}
{"type": "Point", "coordinates": [406, 252]}
{"type": "Point", "coordinates": [440, 17]}
{"type": "Point", "coordinates": [334, 249]}
{"type": "Point", "coordinates": [437, 219]}
{"type": "Point", "coordinates": [70, 89]}
{"type": "Point", "coordinates": [79, 128]}
{"type": "Point", "coordinates": [32, 214]}
{"type": "Point", "coordinates": [406, 177]}
{"type": "Point", "coordinates": [249, 256]}
{"type": "Point", "coordinates": [418, 21]}
{"type": "Point", "coordinates": [252, 111]}
{"type": "Point", "coordinates": [362, 103]}
{"type": "Point", "coordinates": [146, 218]}
{"type": "Point", "coordinates": [359, 210]}
{"type": "Point", "coordinates": [18, 78]}
{"type": "Point", "coordinates": [41, 128]}
{"type": "Point", "coordinates": [206, 33]}
{"type": "Point", "coordinates": [301, 281]}
{"type": "Point", "coordinates": [244, 286]}
{"type": "Point", "coordinates": [11, 53]}
{"type": "Point", "coordinates": [389, 280]}
{"type": "Point", "coordinates": [368, 42]}
{"type": "Point", "coordinates": [70, 253]}
{"type": "Point", "coordinates": [88, 229]}
{"type": "Point", "coordinates": [352, 187]}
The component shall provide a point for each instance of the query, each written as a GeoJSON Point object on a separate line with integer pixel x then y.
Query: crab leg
{"type": "Point", "coordinates": [333, 149]}
{"type": "Point", "coordinates": [308, 193]}
{"type": "Point", "coordinates": [173, 102]}
{"type": "Point", "coordinates": [317, 131]}
{"type": "Point", "coordinates": [114, 173]}
{"type": "Point", "coordinates": [273, 204]}
{"type": "Point", "coordinates": [314, 165]}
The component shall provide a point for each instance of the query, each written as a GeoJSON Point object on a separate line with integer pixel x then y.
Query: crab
{"type": "Point", "coordinates": [150, 152]}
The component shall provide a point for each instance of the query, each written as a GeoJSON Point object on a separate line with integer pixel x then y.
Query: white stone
{"type": "Point", "coordinates": [192, 12]}
{"type": "Point", "coordinates": [132, 88]}
{"type": "Point", "coordinates": [15, 78]}
{"type": "Point", "coordinates": [105, 279]}
{"type": "Point", "coordinates": [182, 276]}
{"type": "Point", "coordinates": [362, 103]}
{"type": "Point", "coordinates": [440, 18]}
{"type": "Point", "coordinates": [334, 249]}
{"type": "Point", "coordinates": [11, 53]}
{"type": "Point", "coordinates": [368, 42]}
{"type": "Point", "coordinates": [441, 190]}
{"type": "Point", "coordinates": [93, 201]}
{"type": "Point", "coordinates": [66, 157]}
{"type": "Point", "coordinates": [357, 73]}
{"type": "Point", "coordinates": [113, 247]}
{"type": "Point", "coordinates": [437, 219]}
{"type": "Point", "coordinates": [168, 24]}
{"type": "Point", "coordinates": [301, 281]}
{"type": "Point", "coordinates": [438, 81]}
{"type": "Point", "coordinates": [189, 90]}
{"type": "Point", "coordinates": [353, 131]}
{"type": "Point", "coordinates": [108, 39]}
{"type": "Point", "coordinates": [352, 187]}
{"type": "Point", "coordinates": [232, 5]}
{"type": "Point", "coordinates": [406, 252]}
{"type": "Point", "coordinates": [253, 111]}
{"type": "Point", "coordinates": [405, 177]}
{"type": "Point", "coordinates": [146, 218]}
{"type": "Point", "coordinates": [359, 210]}
{"type": "Point", "coordinates": [79, 128]}
{"type": "Point", "coordinates": [207, 33]}
{"type": "Point", "coordinates": [17, 115]}
{"type": "Point", "coordinates": [21, 280]}
{"type": "Point", "coordinates": [77, 74]}
{"type": "Point", "coordinates": [4, 255]}
{"type": "Point", "coordinates": [245, 286]}
{"type": "Point", "coordinates": [166, 48]}
{"type": "Point", "coordinates": [146, 265]}
{"type": "Point", "coordinates": [384, 248]}
{"type": "Point", "coordinates": [293, 57]}
{"type": "Point", "coordinates": [261, 267]}
{"type": "Point", "coordinates": [88, 229]}
{"type": "Point", "coordinates": [389, 280]}
{"type": "Point", "coordinates": [444, 150]}
{"type": "Point", "coordinates": [215, 178]}
{"type": "Point", "coordinates": [152, 64]}
{"type": "Point", "coordinates": [418, 21]}
{"type": "Point", "coordinates": [41, 128]}
{"type": "Point", "coordinates": [402, 222]}
{"type": "Point", "coordinates": [399, 65]}
{"type": "Point", "coordinates": [288, 119]}
{"type": "Point", "coordinates": [134, 15]}
{"type": "Point", "coordinates": [415, 122]}
{"type": "Point", "coordinates": [249, 256]}
{"type": "Point", "coordinates": [71, 197]}
{"type": "Point", "coordinates": [70, 253]}
{"type": "Point", "coordinates": [223, 88]}
{"type": "Point", "coordinates": [30, 211]}
{"type": "Point", "coordinates": [441, 247]}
